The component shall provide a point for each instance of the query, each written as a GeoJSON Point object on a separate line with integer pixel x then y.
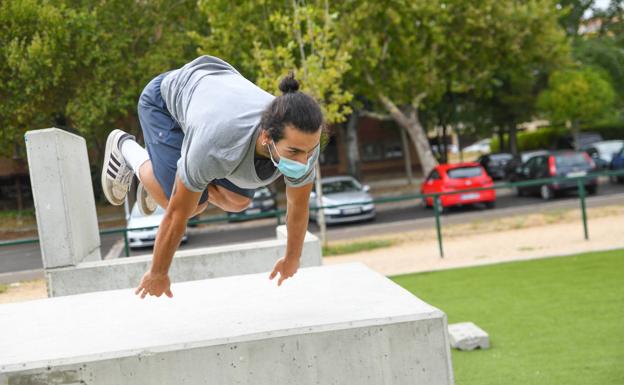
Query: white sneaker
{"type": "Point", "coordinates": [116, 174]}
{"type": "Point", "coordinates": [147, 204]}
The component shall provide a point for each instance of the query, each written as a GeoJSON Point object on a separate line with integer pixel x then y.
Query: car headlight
{"type": "Point", "coordinates": [368, 207]}
{"type": "Point", "coordinates": [331, 211]}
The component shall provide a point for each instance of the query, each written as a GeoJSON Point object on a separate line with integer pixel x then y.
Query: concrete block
{"type": "Point", "coordinates": [63, 195]}
{"type": "Point", "coordinates": [281, 232]}
{"type": "Point", "coordinates": [340, 324]}
{"type": "Point", "coordinates": [468, 336]}
{"type": "Point", "coordinates": [187, 265]}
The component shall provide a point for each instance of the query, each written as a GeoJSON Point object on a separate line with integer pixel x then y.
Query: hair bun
{"type": "Point", "coordinates": [289, 84]}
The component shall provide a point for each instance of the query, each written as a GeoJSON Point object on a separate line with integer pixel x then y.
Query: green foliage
{"type": "Point", "coordinates": [603, 52]}
{"type": "Point", "coordinates": [547, 137]}
{"type": "Point", "coordinates": [579, 95]}
{"type": "Point", "coordinates": [297, 36]}
{"type": "Point", "coordinates": [81, 65]}
{"type": "Point", "coordinates": [544, 138]}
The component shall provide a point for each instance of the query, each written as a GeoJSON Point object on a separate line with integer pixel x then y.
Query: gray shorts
{"type": "Point", "coordinates": [163, 139]}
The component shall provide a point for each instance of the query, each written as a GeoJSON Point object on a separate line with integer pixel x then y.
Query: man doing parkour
{"type": "Point", "coordinates": [212, 136]}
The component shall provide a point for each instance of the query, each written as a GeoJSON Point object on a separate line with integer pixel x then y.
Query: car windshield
{"type": "Point", "coordinates": [464, 172]}
{"type": "Point", "coordinates": [340, 186]}
{"type": "Point", "coordinates": [573, 159]}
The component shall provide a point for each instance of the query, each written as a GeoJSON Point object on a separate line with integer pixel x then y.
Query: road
{"type": "Point", "coordinates": [391, 218]}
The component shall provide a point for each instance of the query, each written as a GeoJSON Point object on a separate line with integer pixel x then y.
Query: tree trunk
{"type": "Point", "coordinates": [444, 145]}
{"type": "Point", "coordinates": [513, 139]}
{"type": "Point", "coordinates": [320, 219]}
{"type": "Point", "coordinates": [575, 135]}
{"type": "Point", "coordinates": [501, 139]}
{"type": "Point", "coordinates": [414, 128]}
{"type": "Point", "coordinates": [406, 156]}
{"type": "Point", "coordinates": [352, 144]}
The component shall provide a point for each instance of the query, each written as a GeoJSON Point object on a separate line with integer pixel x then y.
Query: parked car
{"type": "Point", "coordinates": [557, 164]}
{"type": "Point", "coordinates": [145, 237]}
{"type": "Point", "coordinates": [482, 146]}
{"type": "Point", "coordinates": [458, 177]}
{"type": "Point", "coordinates": [603, 152]}
{"type": "Point", "coordinates": [495, 164]}
{"type": "Point", "coordinates": [262, 201]}
{"type": "Point", "coordinates": [583, 139]}
{"type": "Point", "coordinates": [514, 166]}
{"type": "Point", "coordinates": [617, 163]}
{"type": "Point", "coordinates": [340, 190]}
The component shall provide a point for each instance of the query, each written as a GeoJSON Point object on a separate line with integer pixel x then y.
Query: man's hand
{"type": "Point", "coordinates": [286, 267]}
{"type": "Point", "coordinates": [154, 284]}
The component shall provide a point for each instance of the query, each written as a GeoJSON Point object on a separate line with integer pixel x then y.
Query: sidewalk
{"type": "Point", "coordinates": [420, 253]}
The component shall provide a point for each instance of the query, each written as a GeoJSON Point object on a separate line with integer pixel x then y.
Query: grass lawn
{"type": "Point", "coordinates": [551, 321]}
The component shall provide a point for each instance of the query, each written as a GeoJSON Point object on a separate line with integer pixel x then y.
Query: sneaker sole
{"type": "Point", "coordinates": [140, 202]}
{"type": "Point", "coordinates": [107, 154]}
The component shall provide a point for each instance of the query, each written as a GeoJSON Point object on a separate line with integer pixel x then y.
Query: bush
{"type": "Point", "coordinates": [543, 138]}
{"type": "Point", "coordinates": [547, 137]}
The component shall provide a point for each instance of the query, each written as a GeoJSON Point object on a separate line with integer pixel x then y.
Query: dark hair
{"type": "Point", "coordinates": [292, 107]}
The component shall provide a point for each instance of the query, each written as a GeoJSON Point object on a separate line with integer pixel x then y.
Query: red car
{"type": "Point", "coordinates": [458, 177]}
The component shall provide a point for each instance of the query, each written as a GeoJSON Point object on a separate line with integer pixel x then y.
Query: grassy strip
{"type": "Point", "coordinates": [3, 288]}
{"type": "Point", "coordinates": [354, 247]}
{"type": "Point", "coordinates": [551, 321]}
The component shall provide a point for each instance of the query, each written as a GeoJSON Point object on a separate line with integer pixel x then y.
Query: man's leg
{"type": "Point", "coordinates": [155, 190]}
{"type": "Point", "coordinates": [227, 200]}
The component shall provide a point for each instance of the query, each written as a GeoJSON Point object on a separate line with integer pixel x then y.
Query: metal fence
{"type": "Point", "coordinates": [278, 214]}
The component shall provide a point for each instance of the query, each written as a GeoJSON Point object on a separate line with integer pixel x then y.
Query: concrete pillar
{"type": "Point", "coordinates": [65, 206]}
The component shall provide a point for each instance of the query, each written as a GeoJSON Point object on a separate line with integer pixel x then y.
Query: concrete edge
{"type": "Point", "coordinates": [434, 314]}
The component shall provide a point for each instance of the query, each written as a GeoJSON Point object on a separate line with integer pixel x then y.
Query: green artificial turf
{"type": "Point", "coordinates": [550, 321]}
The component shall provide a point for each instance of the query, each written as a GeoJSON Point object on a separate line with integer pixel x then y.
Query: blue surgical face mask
{"type": "Point", "coordinates": [288, 167]}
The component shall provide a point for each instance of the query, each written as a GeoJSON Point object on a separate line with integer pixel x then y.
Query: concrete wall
{"type": "Point", "coordinates": [63, 195]}
{"type": "Point", "coordinates": [341, 324]}
{"type": "Point", "coordinates": [187, 265]}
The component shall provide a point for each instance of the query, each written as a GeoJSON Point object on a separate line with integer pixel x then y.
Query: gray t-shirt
{"type": "Point", "coordinates": [219, 111]}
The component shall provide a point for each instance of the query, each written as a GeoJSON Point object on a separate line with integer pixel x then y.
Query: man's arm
{"type": "Point", "coordinates": [297, 224]}
{"type": "Point", "coordinates": [181, 206]}
{"type": "Point", "coordinates": [297, 213]}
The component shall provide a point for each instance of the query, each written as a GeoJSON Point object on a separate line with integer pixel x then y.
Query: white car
{"type": "Point", "coordinates": [603, 152]}
{"type": "Point", "coordinates": [482, 146]}
{"type": "Point", "coordinates": [339, 190]}
{"type": "Point", "coordinates": [145, 237]}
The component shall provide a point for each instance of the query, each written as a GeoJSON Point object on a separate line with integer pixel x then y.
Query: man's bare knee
{"type": "Point", "coordinates": [238, 205]}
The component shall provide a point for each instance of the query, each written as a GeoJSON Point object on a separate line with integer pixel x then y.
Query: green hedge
{"type": "Point", "coordinates": [547, 137]}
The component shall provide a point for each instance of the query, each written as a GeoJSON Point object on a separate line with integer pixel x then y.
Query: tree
{"type": "Point", "coordinates": [603, 52]}
{"type": "Point", "coordinates": [576, 95]}
{"type": "Point", "coordinates": [574, 12]}
{"type": "Point", "coordinates": [82, 65]}
{"type": "Point", "coordinates": [411, 53]}
{"type": "Point", "coordinates": [294, 36]}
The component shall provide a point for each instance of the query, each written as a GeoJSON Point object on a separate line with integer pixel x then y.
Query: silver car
{"type": "Point", "coordinates": [356, 203]}
{"type": "Point", "coordinates": [145, 237]}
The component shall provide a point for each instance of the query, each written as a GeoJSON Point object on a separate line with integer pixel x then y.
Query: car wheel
{"type": "Point", "coordinates": [490, 205]}
{"type": "Point", "coordinates": [546, 192]}
{"type": "Point", "coordinates": [592, 189]}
